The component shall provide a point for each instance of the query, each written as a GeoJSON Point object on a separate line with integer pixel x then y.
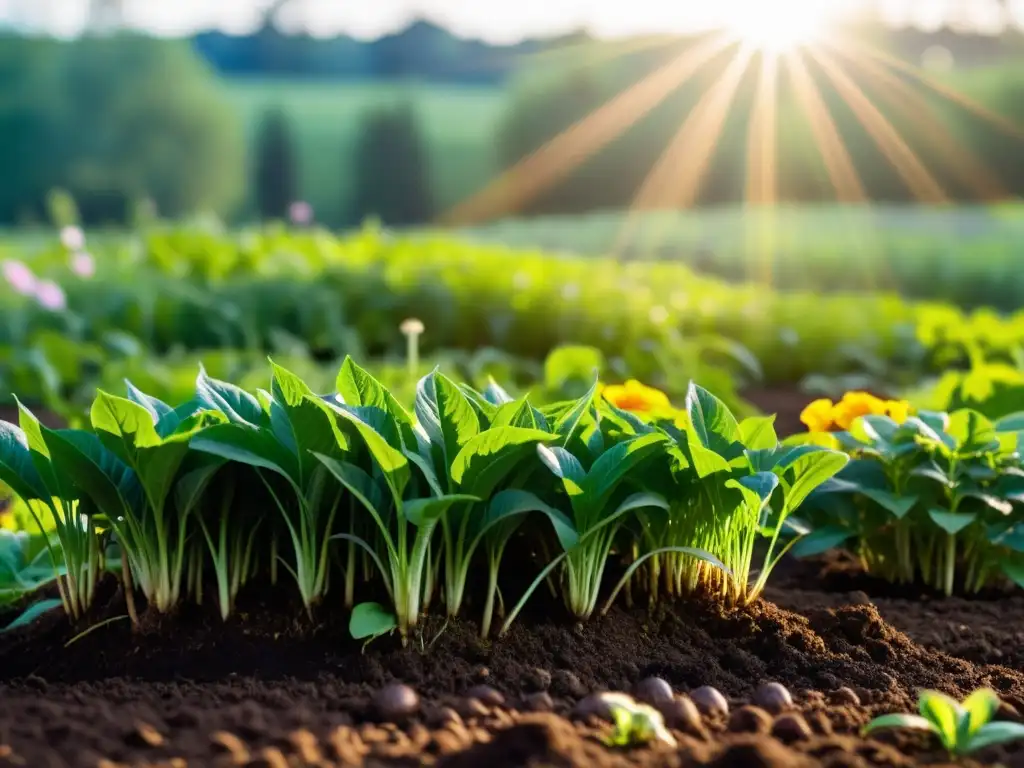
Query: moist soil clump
{"type": "Point", "coordinates": [272, 687]}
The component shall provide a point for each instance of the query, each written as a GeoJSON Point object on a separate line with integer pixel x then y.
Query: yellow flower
{"type": "Point", "coordinates": [818, 416]}
{"type": "Point", "coordinates": [636, 397]}
{"type": "Point", "coordinates": [857, 404]}
{"type": "Point", "coordinates": [898, 410]}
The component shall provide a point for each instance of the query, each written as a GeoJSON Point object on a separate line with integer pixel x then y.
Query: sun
{"type": "Point", "coordinates": [778, 26]}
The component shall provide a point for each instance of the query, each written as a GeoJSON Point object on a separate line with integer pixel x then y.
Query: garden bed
{"type": "Point", "coordinates": [271, 688]}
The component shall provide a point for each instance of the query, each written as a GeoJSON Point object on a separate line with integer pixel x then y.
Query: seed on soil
{"type": "Point", "coordinates": [750, 719]}
{"type": "Point", "coordinates": [681, 714]}
{"type": "Point", "coordinates": [396, 702]}
{"type": "Point", "coordinates": [845, 697]}
{"type": "Point", "coordinates": [594, 705]}
{"type": "Point", "coordinates": [709, 701]}
{"type": "Point", "coordinates": [539, 702]}
{"type": "Point", "coordinates": [231, 744]}
{"type": "Point", "coordinates": [487, 695]}
{"type": "Point", "coordinates": [773, 697]}
{"type": "Point", "coordinates": [791, 727]}
{"type": "Point", "coordinates": [652, 690]}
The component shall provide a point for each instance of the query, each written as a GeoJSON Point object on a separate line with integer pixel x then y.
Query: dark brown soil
{"type": "Point", "coordinates": [271, 688]}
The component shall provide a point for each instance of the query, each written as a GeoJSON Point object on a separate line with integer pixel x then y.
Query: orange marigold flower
{"type": "Point", "coordinates": [818, 415]}
{"type": "Point", "coordinates": [635, 397]}
{"type": "Point", "coordinates": [857, 404]}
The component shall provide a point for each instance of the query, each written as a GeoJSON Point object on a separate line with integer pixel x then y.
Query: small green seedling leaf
{"type": "Point", "coordinates": [371, 620]}
{"type": "Point", "coordinates": [32, 613]}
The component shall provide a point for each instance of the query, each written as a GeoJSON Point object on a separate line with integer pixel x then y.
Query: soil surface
{"type": "Point", "coordinates": [273, 688]}
{"type": "Point", "coordinates": [787, 403]}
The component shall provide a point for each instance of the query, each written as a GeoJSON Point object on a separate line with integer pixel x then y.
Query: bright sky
{"type": "Point", "coordinates": [493, 20]}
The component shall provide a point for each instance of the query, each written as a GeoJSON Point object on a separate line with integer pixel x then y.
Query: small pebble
{"type": "Point", "coordinates": [750, 719]}
{"type": "Point", "coordinates": [845, 697]}
{"type": "Point", "coordinates": [680, 713]}
{"type": "Point", "coordinates": [859, 598]}
{"type": "Point", "coordinates": [440, 716]}
{"type": "Point", "coordinates": [773, 697]}
{"type": "Point", "coordinates": [487, 695]}
{"type": "Point", "coordinates": [396, 702]}
{"type": "Point", "coordinates": [539, 702]}
{"type": "Point", "coordinates": [652, 690]}
{"type": "Point", "coordinates": [592, 706]}
{"type": "Point", "coordinates": [709, 701]}
{"type": "Point", "coordinates": [791, 727]}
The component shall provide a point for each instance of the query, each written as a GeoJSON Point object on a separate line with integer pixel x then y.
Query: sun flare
{"type": "Point", "coordinates": [780, 25]}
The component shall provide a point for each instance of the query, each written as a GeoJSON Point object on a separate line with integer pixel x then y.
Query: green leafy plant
{"type": "Point", "coordinates": [962, 727]}
{"type": "Point", "coordinates": [935, 499]}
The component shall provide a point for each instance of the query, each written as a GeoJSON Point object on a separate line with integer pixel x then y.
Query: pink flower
{"type": "Point", "coordinates": [300, 213]}
{"type": "Point", "coordinates": [19, 277]}
{"type": "Point", "coordinates": [72, 238]}
{"type": "Point", "coordinates": [83, 265]}
{"type": "Point", "coordinates": [51, 295]}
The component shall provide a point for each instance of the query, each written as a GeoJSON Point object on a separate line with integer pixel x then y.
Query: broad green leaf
{"type": "Point", "coordinates": [38, 450]}
{"type": "Point", "coordinates": [357, 387]}
{"type": "Point", "coordinates": [821, 540]}
{"type": "Point", "coordinates": [485, 409]}
{"type": "Point", "coordinates": [123, 426]}
{"type": "Point", "coordinates": [810, 471]}
{"type": "Point", "coordinates": [514, 414]}
{"type": "Point", "coordinates": [757, 489]}
{"type": "Point", "coordinates": [456, 417]}
{"type": "Point", "coordinates": [157, 408]}
{"type": "Point", "coordinates": [357, 482]}
{"type": "Point", "coordinates": [250, 445]}
{"type": "Point", "coordinates": [17, 469]}
{"type": "Point", "coordinates": [1014, 571]}
{"type": "Point", "coordinates": [951, 522]}
{"type": "Point", "coordinates": [169, 422]}
{"type": "Point", "coordinates": [1012, 423]}
{"type": "Point", "coordinates": [93, 470]}
{"type": "Point", "coordinates": [569, 422]}
{"type": "Point", "coordinates": [238, 405]}
{"type": "Point", "coordinates": [429, 510]}
{"type": "Point", "coordinates": [371, 620]}
{"type": "Point", "coordinates": [32, 613]}
{"type": "Point", "coordinates": [619, 461]}
{"type": "Point", "coordinates": [495, 394]}
{"type": "Point", "coordinates": [711, 421]}
{"type": "Point", "coordinates": [564, 466]}
{"type": "Point", "coordinates": [758, 433]}
{"type": "Point", "coordinates": [973, 433]}
{"type": "Point", "coordinates": [899, 506]}
{"type": "Point", "coordinates": [514, 503]}
{"type": "Point", "coordinates": [1001, 506]}
{"type": "Point", "coordinates": [488, 458]}
{"type": "Point", "coordinates": [392, 462]}
{"type": "Point", "coordinates": [914, 722]}
{"type": "Point", "coordinates": [994, 734]}
{"type": "Point", "coordinates": [979, 708]}
{"type": "Point", "coordinates": [302, 421]}
{"type": "Point", "coordinates": [944, 713]}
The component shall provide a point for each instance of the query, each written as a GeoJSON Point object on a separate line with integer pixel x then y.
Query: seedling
{"type": "Point", "coordinates": [635, 723]}
{"type": "Point", "coordinates": [962, 728]}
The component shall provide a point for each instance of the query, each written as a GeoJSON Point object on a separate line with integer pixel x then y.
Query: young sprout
{"type": "Point", "coordinates": [412, 329]}
{"type": "Point", "coordinates": [961, 727]}
{"type": "Point", "coordinates": [635, 723]}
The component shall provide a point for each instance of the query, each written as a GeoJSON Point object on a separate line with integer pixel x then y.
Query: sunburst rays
{"type": "Point", "coordinates": [675, 180]}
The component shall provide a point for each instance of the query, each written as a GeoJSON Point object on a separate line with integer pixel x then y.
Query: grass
{"type": "Point", "coordinates": [967, 255]}
{"type": "Point", "coordinates": [458, 124]}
